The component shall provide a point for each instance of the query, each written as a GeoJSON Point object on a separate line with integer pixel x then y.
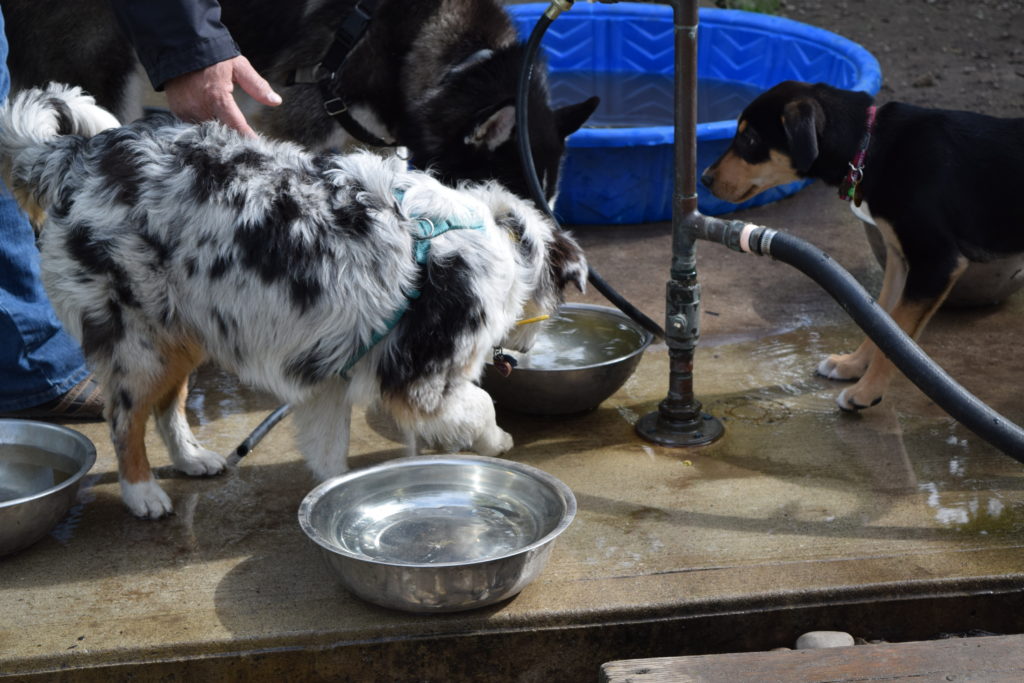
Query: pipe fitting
{"type": "Point", "coordinates": [557, 7]}
{"type": "Point", "coordinates": [677, 322]}
{"type": "Point", "coordinates": [748, 238]}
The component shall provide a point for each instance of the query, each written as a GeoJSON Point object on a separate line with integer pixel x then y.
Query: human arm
{"type": "Point", "coordinates": [190, 54]}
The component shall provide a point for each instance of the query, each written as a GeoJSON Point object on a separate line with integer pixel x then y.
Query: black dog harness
{"type": "Point", "coordinates": [326, 73]}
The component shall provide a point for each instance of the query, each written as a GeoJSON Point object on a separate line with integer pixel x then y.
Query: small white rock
{"type": "Point", "coordinates": [814, 640]}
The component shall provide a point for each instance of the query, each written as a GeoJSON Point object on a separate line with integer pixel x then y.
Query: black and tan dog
{"type": "Point", "coordinates": [941, 186]}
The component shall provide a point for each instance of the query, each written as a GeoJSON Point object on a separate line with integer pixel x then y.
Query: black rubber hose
{"type": "Point", "coordinates": [894, 343]}
{"type": "Point", "coordinates": [262, 429]}
{"type": "Point", "coordinates": [533, 182]}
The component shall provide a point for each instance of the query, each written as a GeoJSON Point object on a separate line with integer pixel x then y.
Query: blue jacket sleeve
{"type": "Point", "coordinates": [174, 37]}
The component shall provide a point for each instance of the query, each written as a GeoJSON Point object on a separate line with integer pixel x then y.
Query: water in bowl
{"type": "Point", "coordinates": [577, 339]}
{"type": "Point", "coordinates": [640, 100]}
{"type": "Point", "coordinates": [424, 525]}
{"type": "Point", "coordinates": [27, 470]}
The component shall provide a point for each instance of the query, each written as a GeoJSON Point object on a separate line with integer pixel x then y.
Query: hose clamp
{"type": "Point", "coordinates": [557, 7]}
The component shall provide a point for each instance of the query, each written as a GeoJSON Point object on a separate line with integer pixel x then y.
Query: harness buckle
{"type": "Point", "coordinates": [329, 106]}
{"type": "Point", "coordinates": [308, 75]}
{"type": "Point", "coordinates": [433, 229]}
{"type": "Point", "coordinates": [856, 174]}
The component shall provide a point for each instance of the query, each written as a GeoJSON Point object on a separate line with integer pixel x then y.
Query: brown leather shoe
{"type": "Point", "coordinates": [82, 402]}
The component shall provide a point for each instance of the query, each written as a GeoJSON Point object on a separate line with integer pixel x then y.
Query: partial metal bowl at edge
{"type": "Point", "coordinates": [41, 468]}
{"type": "Point", "coordinates": [438, 534]}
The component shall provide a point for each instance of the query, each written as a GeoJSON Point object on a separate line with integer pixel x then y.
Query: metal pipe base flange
{"type": "Point", "coordinates": [664, 429]}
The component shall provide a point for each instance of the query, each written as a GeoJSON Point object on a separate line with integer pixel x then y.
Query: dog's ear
{"type": "Point", "coordinates": [571, 117]}
{"type": "Point", "coordinates": [495, 130]}
{"type": "Point", "coordinates": [803, 120]}
{"type": "Point", "coordinates": [568, 262]}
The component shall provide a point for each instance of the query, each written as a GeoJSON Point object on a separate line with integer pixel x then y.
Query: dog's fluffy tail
{"type": "Point", "coordinates": [30, 123]}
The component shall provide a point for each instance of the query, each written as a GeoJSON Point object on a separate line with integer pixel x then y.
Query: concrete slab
{"type": "Point", "coordinates": [895, 523]}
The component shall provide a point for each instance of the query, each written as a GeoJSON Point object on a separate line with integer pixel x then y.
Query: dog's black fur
{"type": "Point", "coordinates": [435, 76]}
{"type": "Point", "coordinates": [941, 186]}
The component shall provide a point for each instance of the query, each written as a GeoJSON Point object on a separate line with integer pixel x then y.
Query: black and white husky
{"type": "Point", "coordinates": [325, 279]}
{"type": "Point", "coordinates": [435, 76]}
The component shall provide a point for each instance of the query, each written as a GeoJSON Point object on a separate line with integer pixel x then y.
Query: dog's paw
{"type": "Point", "coordinates": [146, 499]}
{"type": "Point", "coordinates": [845, 367]}
{"type": "Point", "coordinates": [202, 463]}
{"type": "Point", "coordinates": [858, 397]}
{"type": "Point", "coordinates": [493, 443]}
{"type": "Point", "coordinates": [330, 470]}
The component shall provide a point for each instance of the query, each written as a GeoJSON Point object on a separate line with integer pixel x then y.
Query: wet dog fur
{"type": "Point", "coordinates": [940, 185]}
{"type": "Point", "coordinates": [436, 76]}
{"type": "Point", "coordinates": [308, 276]}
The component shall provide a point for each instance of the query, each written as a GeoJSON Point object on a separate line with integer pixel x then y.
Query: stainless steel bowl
{"type": "Point", "coordinates": [438, 534]}
{"type": "Point", "coordinates": [581, 357]}
{"type": "Point", "coordinates": [41, 467]}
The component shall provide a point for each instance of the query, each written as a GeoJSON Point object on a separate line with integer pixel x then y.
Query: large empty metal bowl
{"type": "Point", "coordinates": [581, 357]}
{"type": "Point", "coordinates": [438, 534]}
{"type": "Point", "coordinates": [41, 467]}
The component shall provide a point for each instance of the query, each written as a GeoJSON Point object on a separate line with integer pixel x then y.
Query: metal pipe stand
{"type": "Point", "coordinates": [679, 420]}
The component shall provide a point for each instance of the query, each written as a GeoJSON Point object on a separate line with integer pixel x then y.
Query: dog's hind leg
{"type": "Point", "coordinates": [139, 379]}
{"type": "Point", "coordinates": [322, 423]}
{"type": "Point", "coordinates": [911, 315]}
{"type": "Point", "coordinates": [139, 490]}
{"type": "Point", "coordinates": [852, 366]}
{"type": "Point", "coordinates": [128, 408]}
{"type": "Point", "coordinates": [184, 450]}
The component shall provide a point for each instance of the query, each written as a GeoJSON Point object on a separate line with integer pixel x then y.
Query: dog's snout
{"type": "Point", "coordinates": [708, 177]}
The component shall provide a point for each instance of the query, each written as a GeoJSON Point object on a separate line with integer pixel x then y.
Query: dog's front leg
{"type": "Point", "coordinates": [466, 420]}
{"type": "Point", "coordinates": [322, 423]}
{"type": "Point", "coordinates": [851, 366]}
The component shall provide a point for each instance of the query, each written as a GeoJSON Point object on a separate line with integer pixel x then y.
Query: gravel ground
{"type": "Point", "coordinates": [952, 54]}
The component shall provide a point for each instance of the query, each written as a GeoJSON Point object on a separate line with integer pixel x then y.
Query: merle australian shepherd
{"type": "Point", "coordinates": [435, 76]}
{"type": "Point", "coordinates": [940, 185]}
{"type": "Point", "coordinates": [324, 279]}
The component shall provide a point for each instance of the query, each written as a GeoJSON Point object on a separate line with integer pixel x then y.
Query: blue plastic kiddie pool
{"type": "Point", "coordinates": [619, 169]}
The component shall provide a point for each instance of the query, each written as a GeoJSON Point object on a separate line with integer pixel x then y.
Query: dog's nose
{"type": "Point", "coordinates": [707, 178]}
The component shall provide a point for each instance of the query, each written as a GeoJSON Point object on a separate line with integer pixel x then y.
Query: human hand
{"type": "Point", "coordinates": [206, 94]}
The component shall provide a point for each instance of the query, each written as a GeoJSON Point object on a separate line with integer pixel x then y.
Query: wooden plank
{"type": "Point", "coordinates": [992, 659]}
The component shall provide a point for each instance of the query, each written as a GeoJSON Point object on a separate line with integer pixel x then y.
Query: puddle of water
{"type": "Point", "coordinates": [216, 394]}
{"type": "Point", "coordinates": [781, 420]}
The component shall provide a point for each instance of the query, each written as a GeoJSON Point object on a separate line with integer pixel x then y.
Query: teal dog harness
{"type": "Point", "coordinates": [421, 252]}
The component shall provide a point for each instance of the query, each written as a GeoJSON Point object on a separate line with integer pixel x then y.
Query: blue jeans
{"type": "Point", "coordinates": [39, 361]}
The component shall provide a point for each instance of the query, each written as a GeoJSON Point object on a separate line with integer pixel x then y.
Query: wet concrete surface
{"type": "Point", "coordinates": [895, 523]}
